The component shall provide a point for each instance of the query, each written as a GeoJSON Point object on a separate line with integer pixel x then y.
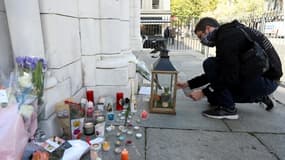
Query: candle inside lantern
{"type": "Point", "coordinates": [124, 154]}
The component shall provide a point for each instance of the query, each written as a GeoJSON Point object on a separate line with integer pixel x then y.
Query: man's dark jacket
{"type": "Point", "coordinates": [230, 44]}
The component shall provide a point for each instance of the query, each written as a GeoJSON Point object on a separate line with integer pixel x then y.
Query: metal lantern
{"type": "Point", "coordinates": [163, 85]}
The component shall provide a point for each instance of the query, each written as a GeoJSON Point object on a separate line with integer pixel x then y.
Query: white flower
{"type": "Point", "coordinates": [25, 80]}
{"type": "Point", "coordinates": [26, 111]}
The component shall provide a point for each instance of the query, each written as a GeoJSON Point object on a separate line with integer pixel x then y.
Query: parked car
{"type": "Point", "coordinates": [153, 41]}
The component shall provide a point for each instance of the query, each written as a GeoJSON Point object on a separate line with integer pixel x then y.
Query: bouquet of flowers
{"type": "Point", "coordinates": [30, 79]}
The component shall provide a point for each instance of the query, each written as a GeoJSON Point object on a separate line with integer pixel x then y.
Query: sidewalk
{"type": "Point", "coordinates": [257, 134]}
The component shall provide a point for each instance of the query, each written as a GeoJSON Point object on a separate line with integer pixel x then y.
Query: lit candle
{"type": "Point", "coordinates": [124, 154]}
{"type": "Point", "coordinates": [106, 146]}
{"type": "Point", "coordinates": [138, 135]}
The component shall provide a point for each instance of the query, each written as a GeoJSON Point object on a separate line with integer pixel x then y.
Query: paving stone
{"type": "Point", "coordinates": [165, 144]}
{"type": "Point", "coordinates": [253, 118]}
{"type": "Point", "coordinates": [188, 116]}
{"type": "Point", "coordinates": [275, 143]}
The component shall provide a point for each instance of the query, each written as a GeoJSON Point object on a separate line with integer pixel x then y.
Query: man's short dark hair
{"type": "Point", "coordinates": [201, 25]}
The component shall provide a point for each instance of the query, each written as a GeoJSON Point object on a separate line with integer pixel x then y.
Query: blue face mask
{"type": "Point", "coordinates": [210, 39]}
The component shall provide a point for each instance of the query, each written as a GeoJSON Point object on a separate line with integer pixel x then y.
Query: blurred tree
{"type": "Point", "coordinates": [228, 10]}
{"type": "Point", "coordinates": [187, 9]}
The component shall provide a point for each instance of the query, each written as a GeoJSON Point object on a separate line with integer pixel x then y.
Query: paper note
{"type": "Point", "coordinates": [144, 90]}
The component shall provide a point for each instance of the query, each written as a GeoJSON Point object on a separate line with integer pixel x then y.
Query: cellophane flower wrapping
{"type": "Point", "coordinates": [19, 118]}
{"type": "Point", "coordinates": [28, 87]}
{"type": "Point", "coordinates": [30, 73]}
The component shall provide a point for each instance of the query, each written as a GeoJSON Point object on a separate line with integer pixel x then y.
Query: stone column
{"type": "Point", "coordinates": [25, 27]}
{"type": "Point", "coordinates": [6, 59]}
{"type": "Point", "coordinates": [135, 37]}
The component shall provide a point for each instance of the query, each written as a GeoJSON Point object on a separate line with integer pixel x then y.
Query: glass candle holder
{"type": "Point", "coordinates": [90, 95]}
{"type": "Point", "coordinates": [144, 115]}
{"type": "Point", "coordinates": [119, 101]}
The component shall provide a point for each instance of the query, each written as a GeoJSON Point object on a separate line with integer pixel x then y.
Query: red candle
{"type": "Point", "coordinates": [144, 115]}
{"type": "Point", "coordinates": [119, 101]}
{"type": "Point", "coordinates": [90, 95]}
{"type": "Point", "coordinates": [124, 154]}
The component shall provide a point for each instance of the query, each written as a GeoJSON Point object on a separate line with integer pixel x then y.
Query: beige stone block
{"type": "Point", "coordinates": [72, 72]}
{"type": "Point", "coordinates": [54, 95]}
{"type": "Point", "coordinates": [6, 60]}
{"type": "Point", "coordinates": [125, 9]}
{"type": "Point", "coordinates": [61, 39]}
{"type": "Point", "coordinates": [51, 126]}
{"type": "Point", "coordinates": [88, 68]}
{"type": "Point", "coordinates": [64, 7]}
{"type": "Point", "coordinates": [112, 77]}
{"type": "Point", "coordinates": [111, 36]}
{"type": "Point", "coordinates": [125, 35]}
{"type": "Point", "coordinates": [90, 36]}
{"type": "Point", "coordinates": [88, 8]}
{"type": "Point", "coordinates": [25, 27]}
{"type": "Point", "coordinates": [79, 94]}
{"type": "Point", "coordinates": [110, 8]}
{"type": "Point", "coordinates": [2, 6]}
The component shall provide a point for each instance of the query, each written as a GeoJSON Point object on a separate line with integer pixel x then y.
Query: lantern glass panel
{"type": "Point", "coordinates": [164, 90]}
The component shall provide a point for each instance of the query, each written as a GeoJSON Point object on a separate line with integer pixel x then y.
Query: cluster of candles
{"type": "Point", "coordinates": [121, 138]}
{"type": "Point", "coordinates": [120, 144]}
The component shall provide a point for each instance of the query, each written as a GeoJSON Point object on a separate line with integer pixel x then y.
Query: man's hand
{"type": "Point", "coordinates": [181, 85]}
{"type": "Point", "coordinates": [196, 94]}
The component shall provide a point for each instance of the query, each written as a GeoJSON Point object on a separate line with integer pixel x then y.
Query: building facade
{"type": "Point", "coordinates": [155, 16]}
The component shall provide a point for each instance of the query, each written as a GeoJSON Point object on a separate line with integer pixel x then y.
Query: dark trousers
{"type": "Point", "coordinates": [247, 91]}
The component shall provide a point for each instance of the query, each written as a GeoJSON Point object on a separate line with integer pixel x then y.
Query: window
{"type": "Point", "coordinates": [155, 4]}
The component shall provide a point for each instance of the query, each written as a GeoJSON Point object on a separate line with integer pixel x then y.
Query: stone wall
{"type": "Point", "coordinates": [87, 44]}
